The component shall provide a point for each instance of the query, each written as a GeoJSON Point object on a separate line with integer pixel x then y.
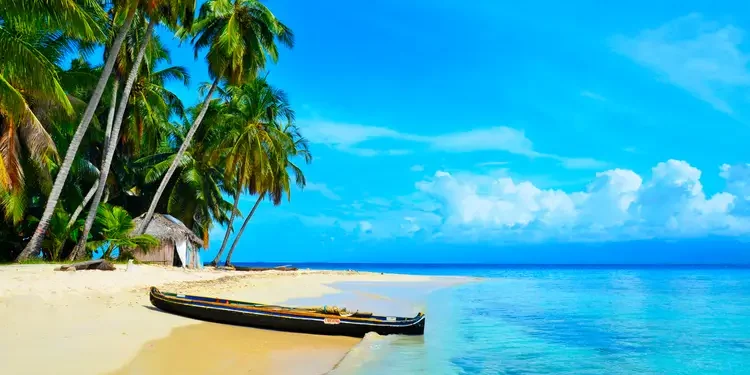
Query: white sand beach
{"type": "Point", "coordinates": [101, 322]}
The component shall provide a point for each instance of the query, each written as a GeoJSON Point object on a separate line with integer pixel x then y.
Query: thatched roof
{"type": "Point", "coordinates": [166, 227]}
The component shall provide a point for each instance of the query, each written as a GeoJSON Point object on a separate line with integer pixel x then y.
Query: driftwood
{"type": "Point", "coordinates": [279, 268]}
{"type": "Point", "coordinates": [99, 264]}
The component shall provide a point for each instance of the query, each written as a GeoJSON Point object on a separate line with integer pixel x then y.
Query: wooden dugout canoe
{"type": "Point", "coordinates": [283, 318]}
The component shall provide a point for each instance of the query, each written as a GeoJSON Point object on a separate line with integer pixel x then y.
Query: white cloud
{"type": "Point", "coordinates": [738, 184]}
{"type": "Point", "coordinates": [669, 202]}
{"type": "Point", "coordinates": [346, 137]}
{"type": "Point", "coordinates": [323, 189]}
{"type": "Point", "coordinates": [365, 226]}
{"type": "Point", "coordinates": [616, 204]}
{"type": "Point", "coordinates": [579, 163]}
{"type": "Point", "coordinates": [499, 138]}
{"type": "Point", "coordinates": [592, 95]}
{"type": "Point", "coordinates": [349, 137]}
{"type": "Point", "coordinates": [492, 163]}
{"type": "Point", "coordinates": [699, 56]}
{"type": "Point", "coordinates": [416, 168]}
{"type": "Point", "coordinates": [377, 201]}
{"type": "Point", "coordinates": [322, 220]}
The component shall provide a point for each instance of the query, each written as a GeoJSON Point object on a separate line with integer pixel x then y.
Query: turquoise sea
{"type": "Point", "coordinates": [568, 320]}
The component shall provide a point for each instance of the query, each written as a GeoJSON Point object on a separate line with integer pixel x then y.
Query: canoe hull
{"type": "Point", "coordinates": [331, 325]}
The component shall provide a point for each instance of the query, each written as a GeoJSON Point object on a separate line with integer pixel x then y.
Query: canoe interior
{"type": "Point", "coordinates": [282, 317]}
{"type": "Point", "coordinates": [286, 309]}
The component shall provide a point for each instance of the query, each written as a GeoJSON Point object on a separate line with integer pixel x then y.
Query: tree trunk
{"type": "Point", "coordinates": [229, 229]}
{"type": "Point", "coordinates": [35, 243]}
{"type": "Point", "coordinates": [180, 153]}
{"type": "Point", "coordinates": [111, 115]}
{"type": "Point", "coordinates": [111, 147]}
{"type": "Point", "coordinates": [81, 206]}
{"type": "Point", "coordinates": [242, 229]}
{"type": "Point", "coordinates": [107, 253]}
{"type": "Point", "coordinates": [107, 134]}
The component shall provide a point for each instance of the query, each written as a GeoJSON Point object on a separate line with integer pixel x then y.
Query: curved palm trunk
{"type": "Point", "coordinates": [229, 228]}
{"type": "Point", "coordinates": [112, 143]}
{"type": "Point", "coordinates": [35, 243]}
{"type": "Point", "coordinates": [83, 204]}
{"type": "Point", "coordinates": [107, 134]}
{"type": "Point", "coordinates": [242, 229]}
{"type": "Point", "coordinates": [180, 153]}
{"type": "Point", "coordinates": [111, 114]}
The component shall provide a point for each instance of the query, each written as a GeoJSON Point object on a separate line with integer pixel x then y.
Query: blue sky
{"type": "Point", "coordinates": [485, 131]}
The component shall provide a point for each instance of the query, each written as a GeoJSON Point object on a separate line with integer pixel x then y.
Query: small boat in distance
{"type": "Point", "coordinates": [315, 320]}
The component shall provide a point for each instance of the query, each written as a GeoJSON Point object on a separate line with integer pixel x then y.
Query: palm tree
{"type": "Point", "coordinates": [54, 144]}
{"type": "Point", "coordinates": [29, 147]}
{"type": "Point", "coordinates": [59, 19]}
{"type": "Point", "coordinates": [172, 12]}
{"type": "Point", "coordinates": [195, 196]}
{"type": "Point", "coordinates": [237, 191]}
{"type": "Point", "coordinates": [289, 144]}
{"type": "Point", "coordinates": [253, 109]}
{"type": "Point", "coordinates": [24, 140]}
{"type": "Point", "coordinates": [240, 35]}
{"type": "Point", "coordinates": [77, 19]}
{"type": "Point", "coordinates": [151, 104]}
{"type": "Point", "coordinates": [28, 76]}
{"type": "Point", "coordinates": [58, 234]}
{"type": "Point", "coordinates": [79, 73]}
{"type": "Point", "coordinates": [111, 144]}
{"type": "Point", "coordinates": [116, 226]}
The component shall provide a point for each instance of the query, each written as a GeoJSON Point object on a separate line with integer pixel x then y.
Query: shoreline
{"type": "Point", "coordinates": [94, 322]}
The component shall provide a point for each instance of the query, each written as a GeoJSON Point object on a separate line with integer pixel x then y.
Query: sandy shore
{"type": "Point", "coordinates": [99, 322]}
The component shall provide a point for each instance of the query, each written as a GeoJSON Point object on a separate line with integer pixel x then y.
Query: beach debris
{"type": "Point", "coordinates": [335, 310]}
{"type": "Point", "coordinates": [279, 268]}
{"type": "Point", "coordinates": [130, 266]}
{"type": "Point", "coordinates": [98, 264]}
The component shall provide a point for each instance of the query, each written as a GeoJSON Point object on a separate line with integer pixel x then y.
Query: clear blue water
{"type": "Point", "coordinates": [569, 320]}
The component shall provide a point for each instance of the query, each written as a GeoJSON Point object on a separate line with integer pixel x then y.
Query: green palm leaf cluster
{"type": "Point", "coordinates": [86, 147]}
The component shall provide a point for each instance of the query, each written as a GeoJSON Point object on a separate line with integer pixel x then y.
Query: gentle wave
{"type": "Point", "coordinates": [372, 347]}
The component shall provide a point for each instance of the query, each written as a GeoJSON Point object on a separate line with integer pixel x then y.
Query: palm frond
{"type": "Point", "coordinates": [176, 73]}
{"type": "Point", "coordinates": [82, 19]}
{"type": "Point", "coordinates": [29, 67]}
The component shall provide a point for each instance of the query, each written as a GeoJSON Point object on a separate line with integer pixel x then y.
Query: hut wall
{"type": "Point", "coordinates": [162, 254]}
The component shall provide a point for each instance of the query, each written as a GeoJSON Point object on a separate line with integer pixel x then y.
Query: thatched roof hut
{"type": "Point", "coordinates": [178, 245]}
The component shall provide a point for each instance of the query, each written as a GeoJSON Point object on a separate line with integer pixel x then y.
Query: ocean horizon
{"type": "Point", "coordinates": [393, 267]}
{"type": "Point", "coordinates": [561, 319]}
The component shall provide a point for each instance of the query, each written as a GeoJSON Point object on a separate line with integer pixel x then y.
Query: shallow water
{"type": "Point", "coordinates": [571, 321]}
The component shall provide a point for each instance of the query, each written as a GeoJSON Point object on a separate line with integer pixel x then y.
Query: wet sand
{"type": "Point", "coordinates": [209, 348]}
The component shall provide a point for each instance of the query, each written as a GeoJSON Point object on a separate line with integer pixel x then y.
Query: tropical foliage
{"type": "Point", "coordinates": [85, 147]}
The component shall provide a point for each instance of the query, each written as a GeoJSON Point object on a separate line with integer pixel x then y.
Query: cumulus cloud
{"type": "Point", "coordinates": [616, 204]}
{"type": "Point", "coordinates": [737, 178]}
{"type": "Point", "coordinates": [668, 202]}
